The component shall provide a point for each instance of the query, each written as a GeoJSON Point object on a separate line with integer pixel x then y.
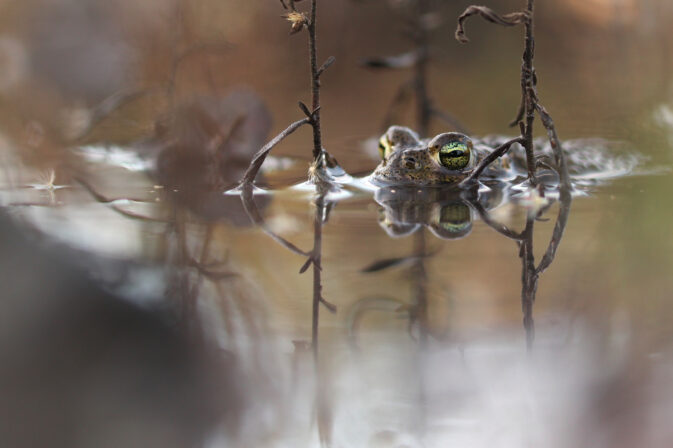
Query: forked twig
{"type": "Point", "coordinates": [529, 103]}
{"type": "Point", "coordinates": [299, 21]}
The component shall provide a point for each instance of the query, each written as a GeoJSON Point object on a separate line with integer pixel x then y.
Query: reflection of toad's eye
{"type": "Point", "coordinates": [384, 147]}
{"type": "Point", "coordinates": [455, 217]}
{"type": "Point", "coordinates": [455, 221]}
{"type": "Point", "coordinates": [454, 155]}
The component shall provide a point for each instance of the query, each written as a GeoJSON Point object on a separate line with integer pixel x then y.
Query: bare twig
{"type": "Point", "coordinates": [331, 60]}
{"type": "Point", "coordinates": [315, 83]}
{"type": "Point", "coordinates": [530, 103]}
{"type": "Point", "coordinates": [260, 156]}
{"type": "Point", "coordinates": [528, 90]}
{"type": "Point", "coordinates": [497, 153]}
{"type": "Point", "coordinates": [515, 18]}
{"type": "Point", "coordinates": [556, 146]}
{"type": "Point", "coordinates": [299, 21]}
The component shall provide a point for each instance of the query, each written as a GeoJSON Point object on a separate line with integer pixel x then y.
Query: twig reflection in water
{"type": "Point", "coordinates": [322, 406]}
{"type": "Point", "coordinates": [413, 214]}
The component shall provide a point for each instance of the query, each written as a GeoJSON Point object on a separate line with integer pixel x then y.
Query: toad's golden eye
{"type": "Point", "coordinates": [454, 155]}
{"type": "Point", "coordinates": [384, 147]}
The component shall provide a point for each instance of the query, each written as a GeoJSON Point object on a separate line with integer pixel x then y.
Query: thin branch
{"type": "Point", "coordinates": [260, 156]}
{"type": "Point", "coordinates": [315, 83]}
{"type": "Point", "coordinates": [327, 64]}
{"type": "Point", "coordinates": [497, 153]}
{"type": "Point", "coordinates": [556, 146]}
{"type": "Point", "coordinates": [522, 107]}
{"type": "Point", "coordinates": [515, 18]}
{"type": "Point", "coordinates": [528, 89]}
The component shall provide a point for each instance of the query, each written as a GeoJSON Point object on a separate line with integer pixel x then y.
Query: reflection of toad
{"type": "Point", "coordinates": [447, 213]}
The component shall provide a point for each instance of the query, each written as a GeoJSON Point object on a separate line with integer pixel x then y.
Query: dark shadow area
{"type": "Point", "coordinates": [80, 367]}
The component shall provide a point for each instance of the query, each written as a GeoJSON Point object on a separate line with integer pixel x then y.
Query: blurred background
{"type": "Point", "coordinates": [164, 317]}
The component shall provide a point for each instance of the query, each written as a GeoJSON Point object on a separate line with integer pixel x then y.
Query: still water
{"type": "Point", "coordinates": [368, 317]}
{"type": "Point", "coordinates": [430, 335]}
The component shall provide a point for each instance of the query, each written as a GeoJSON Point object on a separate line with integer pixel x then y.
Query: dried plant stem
{"type": "Point", "coordinates": [299, 21]}
{"type": "Point", "coordinates": [529, 104]}
{"type": "Point", "coordinates": [260, 156]}
{"type": "Point", "coordinates": [561, 164]}
{"type": "Point", "coordinates": [315, 83]}
{"type": "Point", "coordinates": [528, 84]}
{"type": "Point", "coordinates": [497, 153]}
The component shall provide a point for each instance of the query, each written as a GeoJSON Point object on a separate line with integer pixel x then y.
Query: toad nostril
{"type": "Point", "coordinates": [410, 162]}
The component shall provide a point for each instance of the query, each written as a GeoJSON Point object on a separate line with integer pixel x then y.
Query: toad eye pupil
{"type": "Point", "coordinates": [454, 155]}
